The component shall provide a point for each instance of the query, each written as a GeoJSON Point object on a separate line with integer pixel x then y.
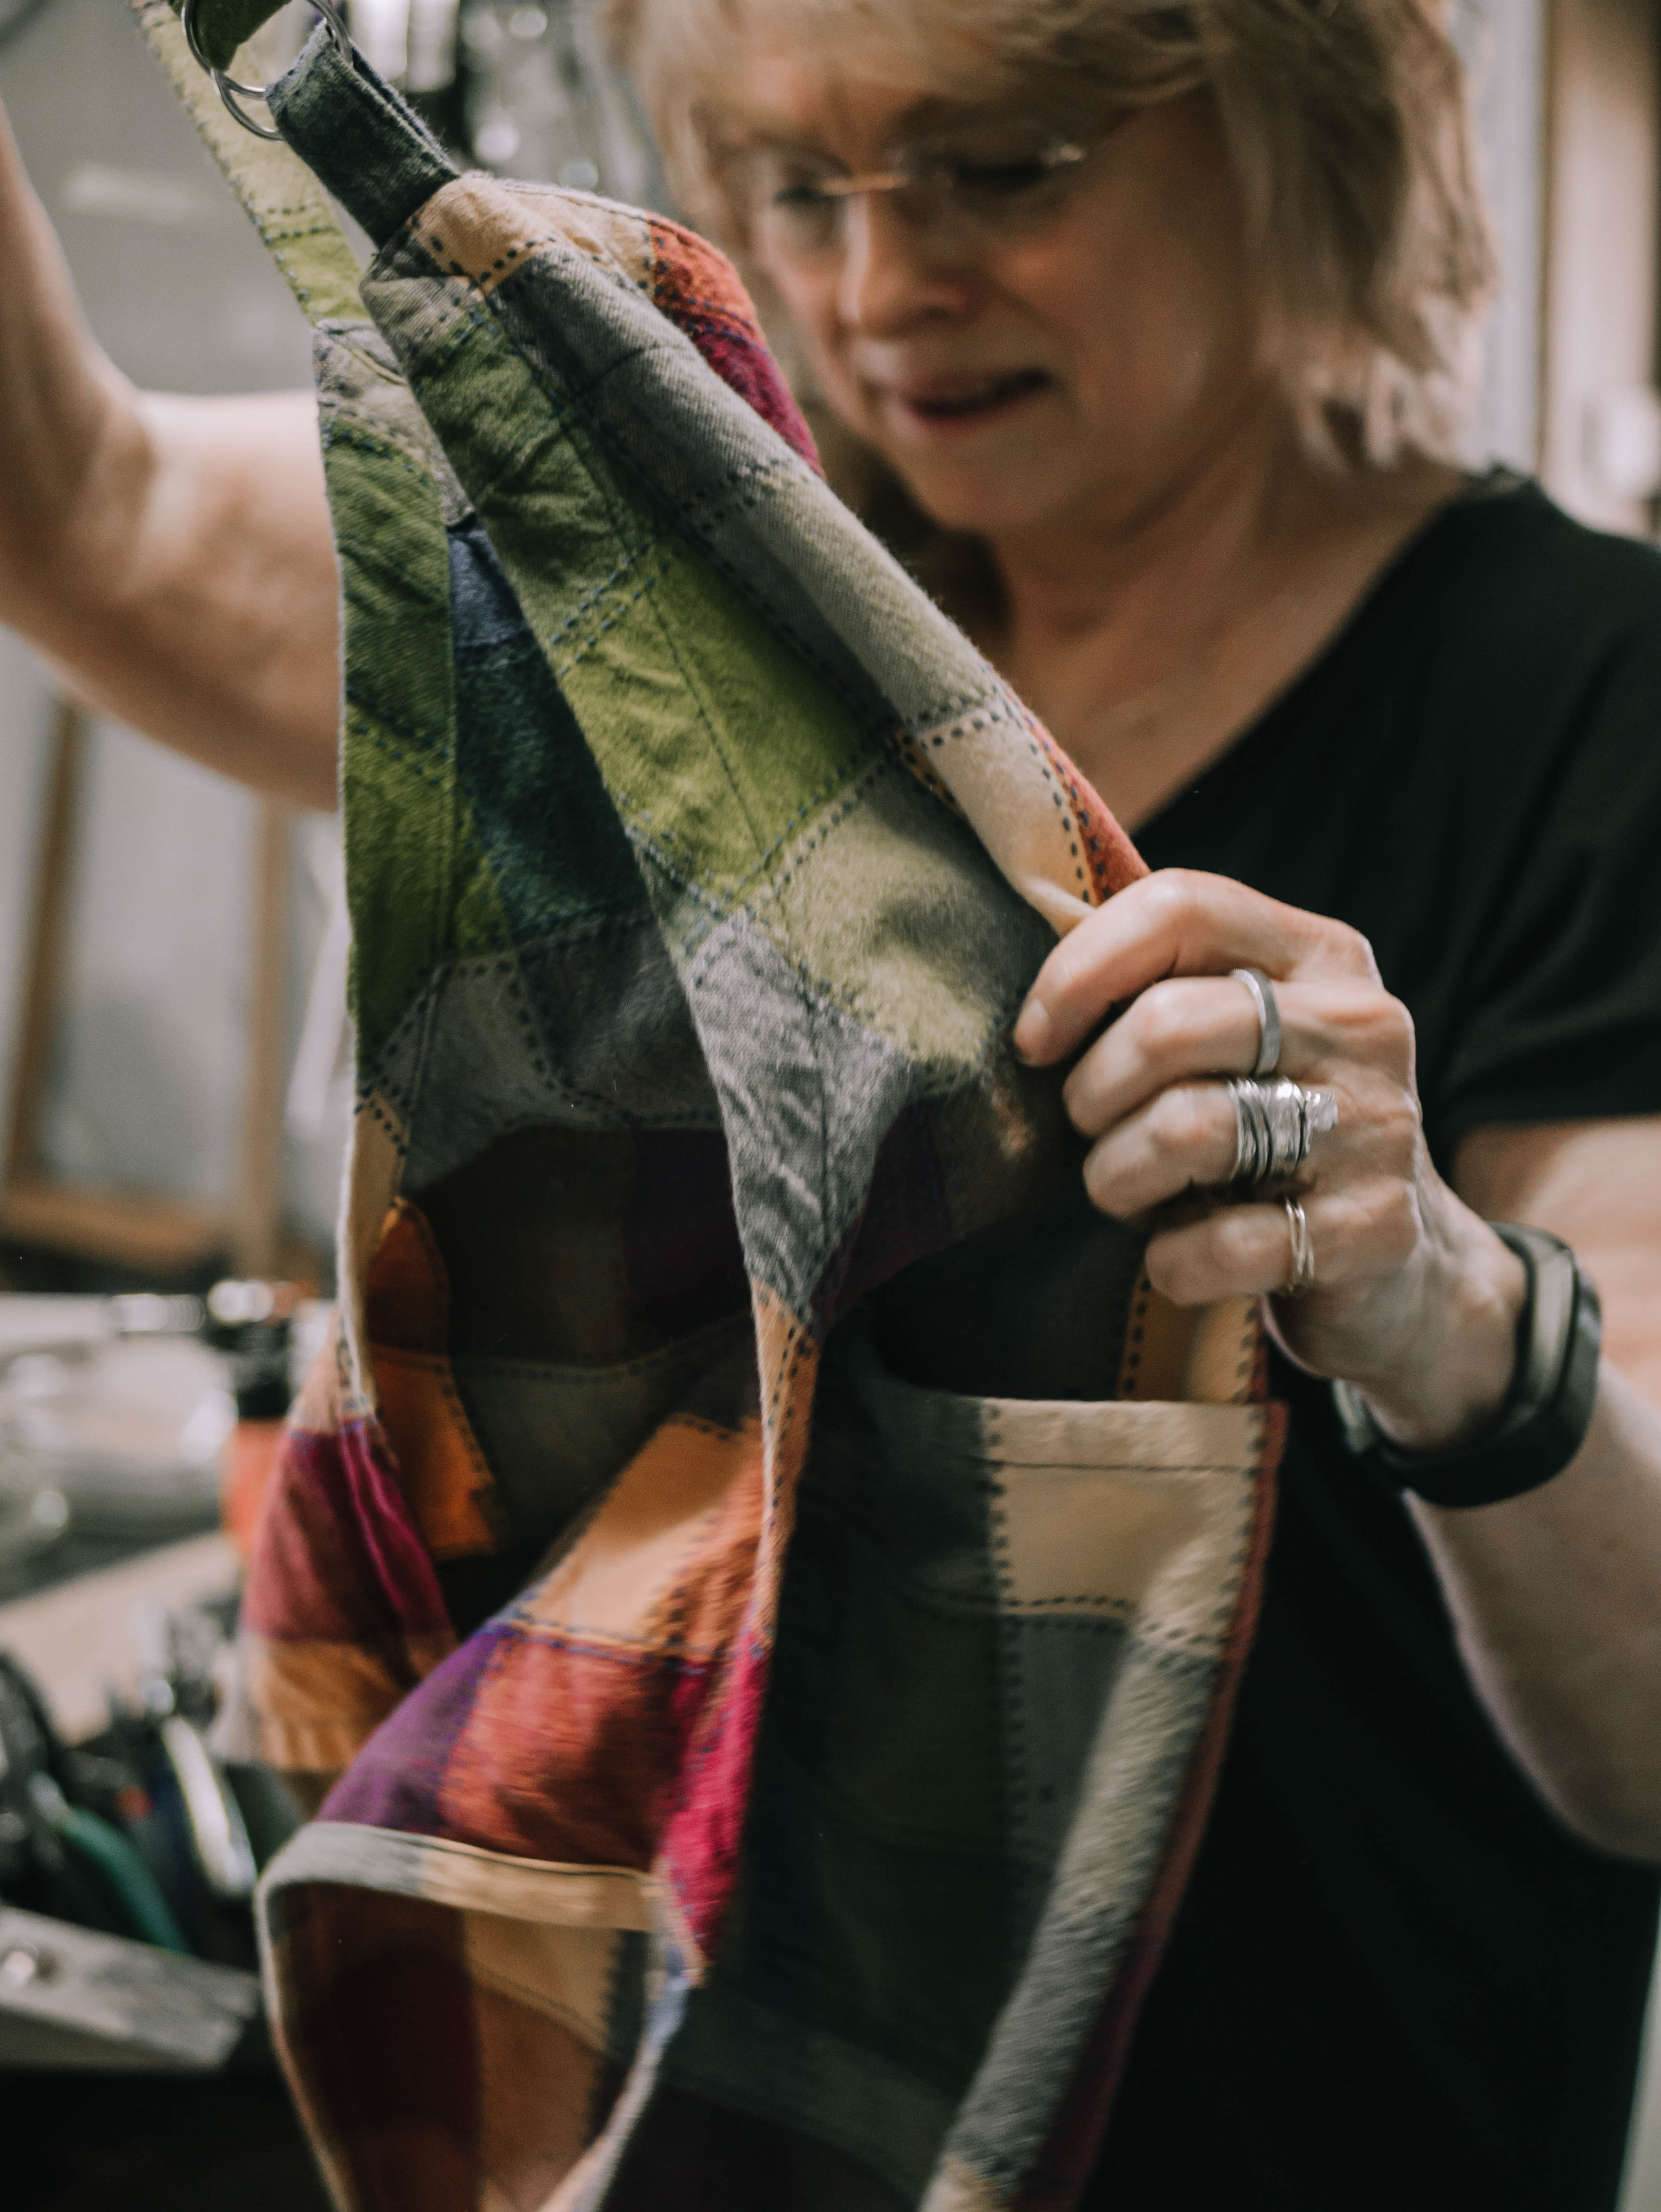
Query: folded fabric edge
{"type": "Point", "coordinates": [463, 1875]}
{"type": "Point", "coordinates": [306, 105]}
{"type": "Point", "coordinates": [279, 194]}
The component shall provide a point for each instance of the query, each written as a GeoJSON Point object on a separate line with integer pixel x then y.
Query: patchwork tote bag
{"type": "Point", "coordinates": [768, 1576]}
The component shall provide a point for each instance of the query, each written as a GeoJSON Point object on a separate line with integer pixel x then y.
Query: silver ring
{"type": "Point", "coordinates": [227, 86]}
{"type": "Point", "coordinates": [1275, 1123]}
{"type": "Point", "coordinates": [1268, 1017]}
{"type": "Point", "coordinates": [1302, 1277]}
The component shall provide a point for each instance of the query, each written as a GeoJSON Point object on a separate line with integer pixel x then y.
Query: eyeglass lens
{"type": "Point", "coordinates": [979, 178]}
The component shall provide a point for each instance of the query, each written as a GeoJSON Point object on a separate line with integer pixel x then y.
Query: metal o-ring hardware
{"type": "Point", "coordinates": [229, 90]}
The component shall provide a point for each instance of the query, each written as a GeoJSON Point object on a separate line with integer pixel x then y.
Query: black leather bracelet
{"type": "Point", "coordinates": [1548, 1409]}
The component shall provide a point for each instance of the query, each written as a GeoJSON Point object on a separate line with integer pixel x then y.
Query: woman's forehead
{"type": "Point", "coordinates": [798, 103]}
{"type": "Point", "coordinates": [786, 74]}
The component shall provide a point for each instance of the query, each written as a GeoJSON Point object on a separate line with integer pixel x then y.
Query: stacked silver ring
{"type": "Point", "coordinates": [1275, 1122]}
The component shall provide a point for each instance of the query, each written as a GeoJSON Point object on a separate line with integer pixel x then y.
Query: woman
{"type": "Point", "coordinates": [1154, 317]}
{"type": "Point", "coordinates": [1162, 312]}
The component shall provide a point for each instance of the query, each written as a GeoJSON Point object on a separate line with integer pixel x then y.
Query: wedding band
{"type": "Point", "coordinates": [1302, 1277]}
{"type": "Point", "coordinates": [1275, 1123]}
{"type": "Point", "coordinates": [1268, 1017]}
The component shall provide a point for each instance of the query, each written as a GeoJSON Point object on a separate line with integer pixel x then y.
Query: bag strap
{"type": "Point", "coordinates": [357, 138]}
{"type": "Point", "coordinates": [222, 26]}
{"type": "Point", "coordinates": [288, 207]}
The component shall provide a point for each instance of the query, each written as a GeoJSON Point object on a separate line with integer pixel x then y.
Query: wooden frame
{"type": "Point", "coordinates": [132, 1230]}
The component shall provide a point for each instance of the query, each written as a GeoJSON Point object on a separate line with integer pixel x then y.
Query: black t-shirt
{"type": "Point", "coordinates": [1396, 1982]}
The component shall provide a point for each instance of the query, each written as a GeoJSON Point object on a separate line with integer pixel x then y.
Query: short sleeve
{"type": "Point", "coordinates": [1559, 1017]}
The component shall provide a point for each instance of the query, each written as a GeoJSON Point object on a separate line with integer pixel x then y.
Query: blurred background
{"type": "Point", "coordinates": [172, 1038]}
{"type": "Point", "coordinates": [174, 1079]}
{"type": "Point", "coordinates": [172, 1041]}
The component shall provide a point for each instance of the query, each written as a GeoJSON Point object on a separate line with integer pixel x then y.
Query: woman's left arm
{"type": "Point", "coordinates": [1556, 1595]}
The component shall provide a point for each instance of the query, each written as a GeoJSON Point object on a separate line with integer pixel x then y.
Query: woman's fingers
{"type": "Point", "coordinates": [1181, 1140]}
{"type": "Point", "coordinates": [1149, 1091]}
{"type": "Point", "coordinates": [1184, 1027]}
{"type": "Point", "coordinates": [1178, 922]}
{"type": "Point", "coordinates": [1189, 1026]}
{"type": "Point", "coordinates": [1239, 1251]}
{"type": "Point", "coordinates": [1185, 1137]}
{"type": "Point", "coordinates": [1366, 1231]}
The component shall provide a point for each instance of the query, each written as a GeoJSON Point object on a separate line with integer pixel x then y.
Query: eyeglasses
{"type": "Point", "coordinates": [970, 182]}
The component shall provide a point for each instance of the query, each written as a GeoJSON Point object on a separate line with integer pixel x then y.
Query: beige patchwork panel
{"type": "Point", "coordinates": [855, 918]}
{"type": "Point", "coordinates": [316, 1409]}
{"type": "Point", "coordinates": [1223, 1357]}
{"type": "Point", "coordinates": [661, 1512]}
{"type": "Point", "coordinates": [1139, 1511]}
{"type": "Point", "coordinates": [564, 1972]}
{"type": "Point", "coordinates": [542, 2087]}
{"type": "Point", "coordinates": [479, 230]}
{"type": "Point", "coordinates": [1205, 1353]}
{"type": "Point", "coordinates": [957, 2188]}
{"type": "Point", "coordinates": [989, 760]}
{"type": "Point", "coordinates": [467, 1877]}
{"type": "Point", "coordinates": [317, 1703]}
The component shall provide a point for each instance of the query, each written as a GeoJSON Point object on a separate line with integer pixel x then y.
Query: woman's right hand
{"type": "Point", "coordinates": [173, 556]}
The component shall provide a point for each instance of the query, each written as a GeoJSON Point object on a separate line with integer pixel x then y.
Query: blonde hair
{"type": "Point", "coordinates": [1345, 122]}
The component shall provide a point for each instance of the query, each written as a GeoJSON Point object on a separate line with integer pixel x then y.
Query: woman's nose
{"type": "Point", "coordinates": [895, 272]}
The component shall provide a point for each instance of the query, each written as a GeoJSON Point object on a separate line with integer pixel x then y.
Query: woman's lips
{"type": "Point", "coordinates": [967, 405]}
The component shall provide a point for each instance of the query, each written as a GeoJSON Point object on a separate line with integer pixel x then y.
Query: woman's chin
{"type": "Point", "coordinates": [1004, 478]}
{"type": "Point", "coordinates": [987, 501]}
{"type": "Point", "coordinates": [982, 470]}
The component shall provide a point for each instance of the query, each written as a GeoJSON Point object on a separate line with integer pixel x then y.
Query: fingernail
{"type": "Point", "coordinates": [1032, 1031]}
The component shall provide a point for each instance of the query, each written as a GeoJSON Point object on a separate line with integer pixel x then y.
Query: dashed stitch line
{"type": "Point", "coordinates": [722, 899]}
{"type": "Point", "coordinates": [691, 513]}
{"type": "Point", "coordinates": [603, 429]}
{"type": "Point", "coordinates": [596, 592]}
{"type": "Point", "coordinates": [437, 741]}
{"type": "Point", "coordinates": [361, 727]}
{"type": "Point", "coordinates": [335, 433]}
{"type": "Point", "coordinates": [592, 644]}
{"type": "Point", "coordinates": [371, 1108]}
{"type": "Point", "coordinates": [861, 709]}
{"type": "Point", "coordinates": [595, 422]}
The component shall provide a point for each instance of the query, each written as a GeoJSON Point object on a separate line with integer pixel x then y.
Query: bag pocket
{"type": "Point", "coordinates": [1005, 1625]}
